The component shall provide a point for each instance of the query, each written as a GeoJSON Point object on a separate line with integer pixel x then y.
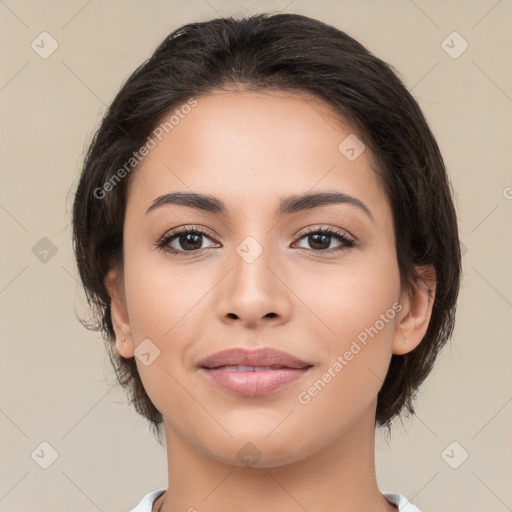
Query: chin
{"type": "Point", "coordinates": [256, 450]}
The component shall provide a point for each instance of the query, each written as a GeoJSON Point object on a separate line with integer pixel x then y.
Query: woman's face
{"type": "Point", "coordinates": [254, 278]}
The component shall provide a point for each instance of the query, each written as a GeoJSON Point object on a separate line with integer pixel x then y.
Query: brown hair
{"type": "Point", "coordinates": [289, 52]}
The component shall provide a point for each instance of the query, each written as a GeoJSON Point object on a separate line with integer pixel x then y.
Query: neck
{"type": "Point", "coordinates": [340, 477]}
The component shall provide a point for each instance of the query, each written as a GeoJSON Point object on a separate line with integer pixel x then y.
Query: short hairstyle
{"type": "Point", "coordinates": [292, 53]}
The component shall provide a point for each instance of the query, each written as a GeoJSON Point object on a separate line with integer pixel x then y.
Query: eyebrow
{"type": "Point", "coordinates": [288, 205]}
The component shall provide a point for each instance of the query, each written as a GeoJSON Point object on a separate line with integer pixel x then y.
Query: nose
{"type": "Point", "coordinates": [254, 293]}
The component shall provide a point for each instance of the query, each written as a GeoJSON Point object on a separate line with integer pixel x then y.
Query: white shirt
{"type": "Point", "coordinates": [404, 505]}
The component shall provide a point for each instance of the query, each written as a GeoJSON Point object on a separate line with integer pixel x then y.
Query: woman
{"type": "Point", "coordinates": [265, 229]}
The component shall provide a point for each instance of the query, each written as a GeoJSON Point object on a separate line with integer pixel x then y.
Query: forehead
{"type": "Point", "coordinates": [256, 146]}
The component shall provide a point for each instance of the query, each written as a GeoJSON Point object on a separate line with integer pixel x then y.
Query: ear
{"type": "Point", "coordinates": [119, 313]}
{"type": "Point", "coordinates": [416, 312]}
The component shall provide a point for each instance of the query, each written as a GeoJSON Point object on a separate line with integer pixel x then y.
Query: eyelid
{"type": "Point", "coordinates": [309, 229]}
{"type": "Point", "coordinates": [327, 229]}
{"type": "Point", "coordinates": [188, 228]}
{"type": "Point", "coordinates": [347, 240]}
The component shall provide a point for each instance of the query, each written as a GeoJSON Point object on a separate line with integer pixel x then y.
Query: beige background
{"type": "Point", "coordinates": [56, 381]}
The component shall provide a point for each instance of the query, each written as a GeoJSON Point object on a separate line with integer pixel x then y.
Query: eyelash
{"type": "Point", "coordinates": [341, 236]}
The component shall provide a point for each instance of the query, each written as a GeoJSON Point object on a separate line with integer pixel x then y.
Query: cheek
{"type": "Point", "coordinates": [350, 298]}
{"type": "Point", "coordinates": [161, 296]}
{"type": "Point", "coordinates": [347, 384]}
{"type": "Point", "coordinates": [166, 305]}
{"type": "Point", "coordinates": [358, 307]}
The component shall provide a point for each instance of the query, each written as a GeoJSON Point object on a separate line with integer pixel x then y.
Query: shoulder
{"type": "Point", "coordinates": [404, 505]}
{"type": "Point", "coordinates": [146, 503]}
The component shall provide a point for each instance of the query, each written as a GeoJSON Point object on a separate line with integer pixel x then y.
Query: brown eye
{"type": "Point", "coordinates": [320, 239]}
{"type": "Point", "coordinates": [183, 240]}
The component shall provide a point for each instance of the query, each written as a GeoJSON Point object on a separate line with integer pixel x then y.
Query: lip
{"type": "Point", "coordinates": [258, 357]}
{"type": "Point", "coordinates": [271, 370]}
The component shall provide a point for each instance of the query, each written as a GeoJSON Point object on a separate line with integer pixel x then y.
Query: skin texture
{"type": "Point", "coordinates": [250, 150]}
